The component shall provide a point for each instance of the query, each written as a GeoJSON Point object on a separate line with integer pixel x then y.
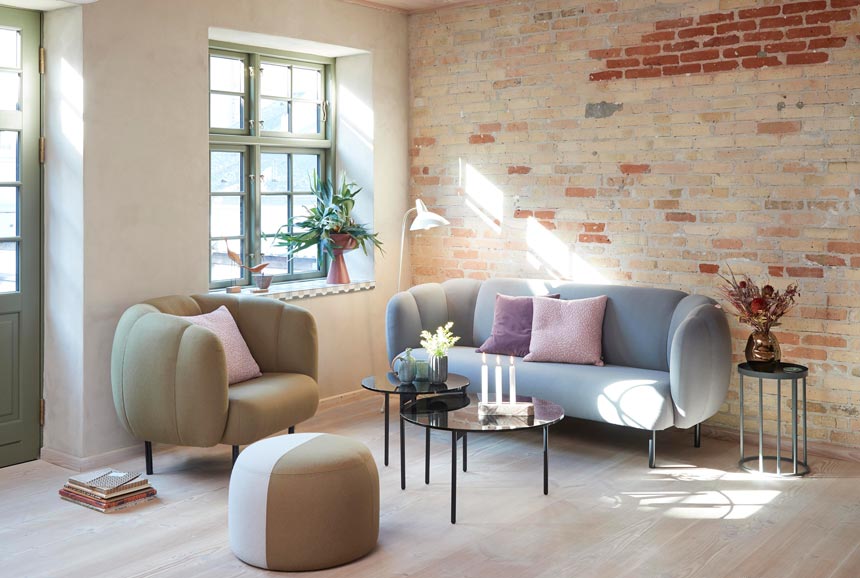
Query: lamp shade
{"type": "Point", "coordinates": [426, 219]}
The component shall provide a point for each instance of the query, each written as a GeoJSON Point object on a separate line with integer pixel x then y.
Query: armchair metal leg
{"type": "Point", "coordinates": [652, 450]}
{"type": "Point", "coordinates": [235, 455]}
{"type": "Point", "coordinates": [292, 429]}
{"type": "Point", "coordinates": [147, 447]}
{"type": "Point", "coordinates": [697, 436]}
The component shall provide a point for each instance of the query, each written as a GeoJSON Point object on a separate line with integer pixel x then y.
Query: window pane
{"type": "Point", "coordinates": [226, 74]}
{"type": "Point", "coordinates": [274, 212]}
{"type": "Point", "coordinates": [275, 172]}
{"type": "Point", "coordinates": [306, 83]}
{"type": "Point", "coordinates": [10, 48]}
{"type": "Point", "coordinates": [306, 118]}
{"type": "Point", "coordinates": [275, 80]}
{"type": "Point", "coordinates": [8, 156]}
{"type": "Point", "coordinates": [275, 115]}
{"type": "Point", "coordinates": [10, 90]}
{"type": "Point", "coordinates": [226, 111]}
{"type": "Point", "coordinates": [276, 257]}
{"type": "Point", "coordinates": [303, 167]}
{"type": "Point", "coordinates": [8, 267]}
{"type": "Point", "coordinates": [8, 211]}
{"type": "Point", "coordinates": [226, 217]}
{"type": "Point", "coordinates": [306, 261]}
{"type": "Point", "coordinates": [226, 172]}
{"type": "Point", "coordinates": [222, 268]}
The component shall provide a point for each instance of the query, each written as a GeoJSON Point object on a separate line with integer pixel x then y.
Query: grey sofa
{"type": "Point", "coordinates": [667, 353]}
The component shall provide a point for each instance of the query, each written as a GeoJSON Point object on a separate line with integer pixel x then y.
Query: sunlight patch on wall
{"type": "Point", "coordinates": [482, 196]}
{"type": "Point", "coordinates": [72, 108]}
{"type": "Point", "coordinates": [356, 115]}
{"type": "Point", "coordinates": [548, 253]}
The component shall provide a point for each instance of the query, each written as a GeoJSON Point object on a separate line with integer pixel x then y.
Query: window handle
{"type": "Point", "coordinates": [325, 111]}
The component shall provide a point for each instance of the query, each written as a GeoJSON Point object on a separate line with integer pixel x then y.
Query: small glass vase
{"type": "Point", "coordinates": [438, 369]}
{"type": "Point", "coordinates": [404, 367]}
{"type": "Point", "coordinates": [762, 351]}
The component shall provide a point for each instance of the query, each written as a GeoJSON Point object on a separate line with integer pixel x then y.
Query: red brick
{"type": "Point", "coordinates": [580, 192]}
{"type": "Point", "coordinates": [798, 7]}
{"type": "Point", "coordinates": [642, 73]}
{"type": "Point", "coordinates": [670, 24]}
{"type": "Point", "coordinates": [843, 247]}
{"type": "Point", "coordinates": [721, 66]}
{"type": "Point", "coordinates": [795, 46]}
{"type": "Point", "coordinates": [481, 139]}
{"type": "Point", "coordinates": [424, 141]}
{"type": "Point", "coordinates": [806, 353]}
{"type": "Point", "coordinates": [509, 83]}
{"type": "Point", "coordinates": [646, 50]}
{"type": "Point", "coordinates": [681, 217]}
{"type": "Point", "coordinates": [708, 268]}
{"type": "Point", "coordinates": [780, 22]}
{"type": "Point", "coordinates": [680, 46]}
{"type": "Point", "coordinates": [682, 69]}
{"type": "Point", "coordinates": [697, 31]}
{"type": "Point", "coordinates": [605, 75]}
{"type": "Point", "coordinates": [833, 42]}
{"type": "Point", "coordinates": [622, 62]}
{"type": "Point", "coordinates": [490, 127]}
{"type": "Point", "coordinates": [816, 272]}
{"type": "Point", "coordinates": [590, 238]}
{"type": "Point", "coordinates": [661, 36]}
{"type": "Point", "coordinates": [605, 53]}
{"type": "Point", "coordinates": [517, 126]}
{"type": "Point", "coordinates": [844, 3]}
{"type": "Point", "coordinates": [809, 32]}
{"type": "Point", "coordinates": [758, 12]}
{"type": "Point", "coordinates": [831, 16]}
{"type": "Point", "coordinates": [521, 214]}
{"type": "Point", "coordinates": [779, 232]}
{"type": "Point", "coordinates": [727, 244]}
{"type": "Point", "coordinates": [545, 214]}
{"type": "Point", "coordinates": [660, 60]}
{"type": "Point", "coordinates": [519, 170]}
{"type": "Point", "coordinates": [827, 260]}
{"type": "Point", "coordinates": [825, 340]}
{"type": "Point", "coordinates": [594, 227]}
{"type": "Point", "coordinates": [766, 36]}
{"type": "Point", "coordinates": [775, 271]}
{"type": "Point", "coordinates": [700, 55]}
{"type": "Point", "coordinates": [855, 262]}
{"type": "Point", "coordinates": [737, 26]}
{"type": "Point", "coordinates": [721, 41]}
{"type": "Point", "coordinates": [718, 17]}
{"type": "Point", "coordinates": [807, 58]}
{"type": "Point", "coordinates": [631, 169]}
{"type": "Point", "coordinates": [760, 62]}
{"type": "Point", "coordinates": [748, 50]}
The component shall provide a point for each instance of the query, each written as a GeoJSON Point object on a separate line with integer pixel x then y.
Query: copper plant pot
{"type": "Point", "coordinates": [762, 351]}
{"type": "Point", "coordinates": [337, 272]}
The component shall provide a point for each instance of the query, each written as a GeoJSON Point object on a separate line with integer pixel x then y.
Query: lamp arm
{"type": "Point", "coordinates": [402, 242]}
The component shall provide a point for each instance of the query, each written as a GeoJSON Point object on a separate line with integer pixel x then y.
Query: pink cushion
{"type": "Point", "coordinates": [567, 331]}
{"type": "Point", "coordinates": [241, 365]}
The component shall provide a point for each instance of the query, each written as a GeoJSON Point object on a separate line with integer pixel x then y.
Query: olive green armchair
{"type": "Point", "coordinates": [169, 376]}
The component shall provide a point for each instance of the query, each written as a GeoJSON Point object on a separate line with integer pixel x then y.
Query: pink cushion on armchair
{"type": "Point", "coordinates": [241, 365]}
{"type": "Point", "coordinates": [567, 331]}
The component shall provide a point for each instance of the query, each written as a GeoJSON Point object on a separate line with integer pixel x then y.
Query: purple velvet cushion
{"type": "Point", "coordinates": [568, 331]}
{"type": "Point", "coordinates": [512, 326]}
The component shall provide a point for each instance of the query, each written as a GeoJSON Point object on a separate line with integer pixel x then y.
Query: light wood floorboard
{"type": "Point", "coordinates": [607, 513]}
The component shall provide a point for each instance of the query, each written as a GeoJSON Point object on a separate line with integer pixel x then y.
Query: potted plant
{"type": "Point", "coordinates": [330, 225]}
{"type": "Point", "coordinates": [761, 309]}
{"type": "Point", "coordinates": [437, 346]}
{"type": "Point", "coordinates": [261, 280]}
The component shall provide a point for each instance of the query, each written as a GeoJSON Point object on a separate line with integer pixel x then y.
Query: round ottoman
{"type": "Point", "coordinates": [303, 502]}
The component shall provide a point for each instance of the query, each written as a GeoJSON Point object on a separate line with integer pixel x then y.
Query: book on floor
{"type": "Point", "coordinates": [107, 490]}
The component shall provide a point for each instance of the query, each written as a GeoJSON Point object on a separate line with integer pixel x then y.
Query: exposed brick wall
{"type": "Point", "coordinates": [651, 181]}
{"type": "Point", "coordinates": [793, 34]}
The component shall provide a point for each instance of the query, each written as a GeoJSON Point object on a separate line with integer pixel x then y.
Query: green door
{"type": "Point", "coordinates": [20, 236]}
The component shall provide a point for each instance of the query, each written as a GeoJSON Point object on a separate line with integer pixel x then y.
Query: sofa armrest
{"type": "Point", "coordinates": [298, 344]}
{"type": "Point", "coordinates": [700, 360]}
{"type": "Point", "coordinates": [169, 379]}
{"type": "Point", "coordinates": [409, 312]}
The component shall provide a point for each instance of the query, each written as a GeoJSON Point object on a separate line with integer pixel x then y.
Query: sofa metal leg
{"type": "Point", "coordinates": [147, 448]}
{"type": "Point", "coordinates": [292, 429]}
{"type": "Point", "coordinates": [697, 436]}
{"type": "Point", "coordinates": [652, 450]}
{"type": "Point", "coordinates": [235, 455]}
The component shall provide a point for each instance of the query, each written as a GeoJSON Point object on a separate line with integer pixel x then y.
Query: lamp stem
{"type": "Point", "coordinates": [402, 242]}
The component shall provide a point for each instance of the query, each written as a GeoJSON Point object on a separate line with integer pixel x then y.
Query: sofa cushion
{"type": "Point", "coordinates": [567, 331]}
{"type": "Point", "coordinates": [241, 365]}
{"type": "Point", "coordinates": [512, 326]}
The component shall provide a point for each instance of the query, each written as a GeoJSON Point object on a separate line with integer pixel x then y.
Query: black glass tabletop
{"type": "Point", "coordinates": [389, 383]}
{"type": "Point", "coordinates": [458, 412]}
{"type": "Point", "coordinates": [774, 370]}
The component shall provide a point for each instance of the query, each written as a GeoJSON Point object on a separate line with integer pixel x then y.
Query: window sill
{"type": "Point", "coordinates": [305, 289]}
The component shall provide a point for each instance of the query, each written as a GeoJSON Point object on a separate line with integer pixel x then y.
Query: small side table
{"type": "Point", "coordinates": [783, 371]}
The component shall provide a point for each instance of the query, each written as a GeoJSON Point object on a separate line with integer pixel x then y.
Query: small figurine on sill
{"type": "Point", "coordinates": [261, 280]}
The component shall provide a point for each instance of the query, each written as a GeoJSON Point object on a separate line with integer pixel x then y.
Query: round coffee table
{"type": "Point", "coordinates": [458, 413]}
{"type": "Point", "coordinates": [389, 385]}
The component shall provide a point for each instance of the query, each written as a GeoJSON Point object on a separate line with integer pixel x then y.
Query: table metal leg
{"type": "Point", "coordinates": [427, 455]}
{"type": "Point", "coordinates": [386, 429]}
{"type": "Point", "coordinates": [402, 458]}
{"type": "Point", "coordinates": [778, 426]}
{"type": "Point", "coordinates": [464, 452]}
{"type": "Point", "coordinates": [794, 424]}
{"type": "Point", "coordinates": [741, 411]}
{"type": "Point", "coordinates": [804, 423]}
{"type": "Point", "coordinates": [760, 427]}
{"type": "Point", "coordinates": [453, 477]}
{"type": "Point", "coordinates": [545, 461]}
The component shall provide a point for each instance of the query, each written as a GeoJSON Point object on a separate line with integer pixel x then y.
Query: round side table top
{"type": "Point", "coordinates": [779, 371]}
{"type": "Point", "coordinates": [389, 383]}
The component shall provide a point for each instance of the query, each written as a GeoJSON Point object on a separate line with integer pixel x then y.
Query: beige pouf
{"type": "Point", "coordinates": [303, 502]}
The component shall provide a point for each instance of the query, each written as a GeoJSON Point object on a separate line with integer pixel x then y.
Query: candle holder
{"type": "Point", "coordinates": [518, 408]}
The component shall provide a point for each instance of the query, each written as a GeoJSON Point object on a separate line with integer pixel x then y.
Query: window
{"type": "Point", "coordinates": [268, 133]}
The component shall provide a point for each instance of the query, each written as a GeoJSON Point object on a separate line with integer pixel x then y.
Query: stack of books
{"type": "Point", "coordinates": [108, 490]}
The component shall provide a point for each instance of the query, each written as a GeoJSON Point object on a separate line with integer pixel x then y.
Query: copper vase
{"type": "Point", "coordinates": [762, 351]}
{"type": "Point", "coordinates": [337, 272]}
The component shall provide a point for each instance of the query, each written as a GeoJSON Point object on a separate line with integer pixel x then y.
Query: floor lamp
{"type": "Point", "coordinates": [424, 219]}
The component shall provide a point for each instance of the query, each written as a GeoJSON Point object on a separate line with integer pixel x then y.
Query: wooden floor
{"type": "Point", "coordinates": [606, 514]}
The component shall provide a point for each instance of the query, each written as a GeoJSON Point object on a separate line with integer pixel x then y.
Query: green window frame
{"type": "Point", "coordinates": [268, 127]}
